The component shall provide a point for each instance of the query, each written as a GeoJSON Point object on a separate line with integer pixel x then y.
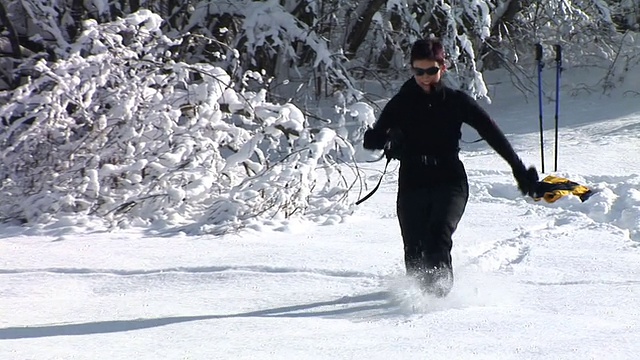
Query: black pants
{"type": "Point", "coordinates": [428, 218]}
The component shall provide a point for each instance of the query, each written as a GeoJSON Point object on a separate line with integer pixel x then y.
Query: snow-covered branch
{"type": "Point", "coordinates": [121, 131]}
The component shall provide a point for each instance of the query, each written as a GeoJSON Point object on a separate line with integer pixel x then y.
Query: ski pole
{"type": "Point", "coordinates": [558, 71]}
{"type": "Point", "coordinates": [540, 66]}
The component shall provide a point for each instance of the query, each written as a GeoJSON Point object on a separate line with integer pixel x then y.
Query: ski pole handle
{"type": "Point", "coordinates": [538, 52]}
{"type": "Point", "coordinates": [558, 52]}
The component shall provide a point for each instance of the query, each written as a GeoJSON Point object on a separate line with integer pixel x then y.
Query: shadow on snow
{"type": "Point", "coordinates": [376, 304]}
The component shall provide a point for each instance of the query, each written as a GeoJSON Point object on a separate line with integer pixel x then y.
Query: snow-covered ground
{"type": "Point", "coordinates": [533, 280]}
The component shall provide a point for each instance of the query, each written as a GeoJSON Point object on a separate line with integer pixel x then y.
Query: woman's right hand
{"type": "Point", "coordinates": [375, 139]}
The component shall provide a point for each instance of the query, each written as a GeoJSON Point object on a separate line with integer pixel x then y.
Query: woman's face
{"type": "Point", "coordinates": [427, 73]}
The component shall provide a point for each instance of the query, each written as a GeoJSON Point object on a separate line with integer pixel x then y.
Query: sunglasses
{"type": "Point", "coordinates": [429, 71]}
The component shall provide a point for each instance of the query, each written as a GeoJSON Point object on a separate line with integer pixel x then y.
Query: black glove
{"type": "Point", "coordinates": [374, 139]}
{"type": "Point", "coordinates": [527, 179]}
{"type": "Point", "coordinates": [394, 146]}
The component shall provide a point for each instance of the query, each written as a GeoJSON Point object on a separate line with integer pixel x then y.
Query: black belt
{"type": "Point", "coordinates": [432, 160]}
{"type": "Point", "coordinates": [429, 160]}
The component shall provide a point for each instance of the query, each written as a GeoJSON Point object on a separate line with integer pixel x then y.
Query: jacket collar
{"type": "Point", "coordinates": [437, 91]}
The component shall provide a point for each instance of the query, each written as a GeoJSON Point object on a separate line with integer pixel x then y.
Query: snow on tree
{"type": "Point", "coordinates": [326, 45]}
{"type": "Point", "coordinates": [121, 131]}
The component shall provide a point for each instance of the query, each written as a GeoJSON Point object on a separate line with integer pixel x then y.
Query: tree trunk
{"type": "Point", "coordinates": [491, 59]}
{"type": "Point", "coordinates": [300, 12]}
{"type": "Point", "coordinates": [169, 11]}
{"type": "Point", "coordinates": [358, 32]}
{"type": "Point", "coordinates": [134, 5]}
{"type": "Point", "coordinates": [13, 36]}
{"type": "Point", "coordinates": [12, 80]}
{"type": "Point", "coordinates": [77, 10]}
{"type": "Point", "coordinates": [391, 46]}
{"type": "Point", "coordinates": [507, 16]}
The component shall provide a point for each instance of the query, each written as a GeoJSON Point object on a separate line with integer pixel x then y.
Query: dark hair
{"type": "Point", "coordinates": [429, 49]}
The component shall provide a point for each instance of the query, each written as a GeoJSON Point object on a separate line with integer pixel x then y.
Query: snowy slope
{"type": "Point", "coordinates": [533, 280]}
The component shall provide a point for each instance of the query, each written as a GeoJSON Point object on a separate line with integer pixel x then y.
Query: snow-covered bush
{"type": "Point", "coordinates": [121, 131]}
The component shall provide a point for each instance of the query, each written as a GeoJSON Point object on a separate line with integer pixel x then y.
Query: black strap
{"type": "Point", "coordinates": [378, 185]}
{"type": "Point", "coordinates": [473, 142]}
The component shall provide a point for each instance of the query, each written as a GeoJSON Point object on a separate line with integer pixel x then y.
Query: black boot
{"type": "Point", "coordinates": [413, 261]}
{"type": "Point", "coordinates": [437, 281]}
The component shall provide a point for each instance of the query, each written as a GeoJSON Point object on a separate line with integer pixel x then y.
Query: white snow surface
{"type": "Point", "coordinates": [533, 280]}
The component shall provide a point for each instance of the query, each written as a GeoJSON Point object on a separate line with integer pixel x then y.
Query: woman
{"type": "Point", "coordinates": [421, 126]}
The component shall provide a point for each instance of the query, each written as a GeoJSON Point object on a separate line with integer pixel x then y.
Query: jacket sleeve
{"type": "Point", "coordinates": [480, 120]}
{"type": "Point", "coordinates": [376, 137]}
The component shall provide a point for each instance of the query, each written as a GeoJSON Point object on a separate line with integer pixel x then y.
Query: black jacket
{"type": "Point", "coordinates": [430, 129]}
